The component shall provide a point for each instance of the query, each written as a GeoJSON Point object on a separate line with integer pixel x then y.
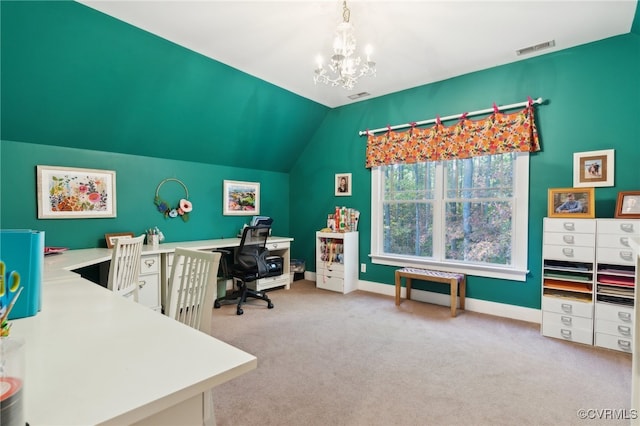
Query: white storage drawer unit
{"type": "Point", "coordinates": [615, 283]}
{"type": "Point", "coordinates": [589, 279]}
{"type": "Point", "coordinates": [568, 256]}
{"type": "Point", "coordinates": [337, 261]}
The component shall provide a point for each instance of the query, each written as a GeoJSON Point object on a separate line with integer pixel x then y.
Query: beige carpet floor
{"type": "Point", "coordinates": [330, 359]}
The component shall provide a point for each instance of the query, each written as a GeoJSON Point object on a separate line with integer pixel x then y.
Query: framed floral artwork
{"type": "Point", "coordinates": [73, 193]}
{"type": "Point", "coordinates": [628, 205]}
{"type": "Point", "coordinates": [241, 198]}
{"type": "Point", "coordinates": [571, 202]}
{"type": "Point", "coordinates": [593, 168]}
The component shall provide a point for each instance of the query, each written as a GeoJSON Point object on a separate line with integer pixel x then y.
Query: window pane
{"type": "Point", "coordinates": [408, 228]}
{"type": "Point", "coordinates": [488, 176]}
{"type": "Point", "coordinates": [409, 181]}
{"type": "Point", "coordinates": [478, 232]}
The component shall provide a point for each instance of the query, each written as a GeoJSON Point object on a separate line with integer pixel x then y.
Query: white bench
{"type": "Point", "coordinates": [455, 280]}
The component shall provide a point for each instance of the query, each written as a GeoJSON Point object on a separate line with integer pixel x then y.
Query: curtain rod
{"type": "Point", "coordinates": [450, 117]}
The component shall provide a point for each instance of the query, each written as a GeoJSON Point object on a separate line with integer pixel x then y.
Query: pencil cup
{"type": "Point", "coordinates": [153, 240]}
{"type": "Point", "coordinates": [12, 366]}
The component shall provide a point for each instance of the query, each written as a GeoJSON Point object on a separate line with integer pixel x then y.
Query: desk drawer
{"type": "Point", "coordinates": [277, 246]}
{"type": "Point", "coordinates": [149, 291]}
{"type": "Point", "coordinates": [150, 264]}
{"type": "Point", "coordinates": [614, 241]}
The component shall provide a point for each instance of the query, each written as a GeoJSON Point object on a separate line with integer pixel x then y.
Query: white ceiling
{"type": "Point", "coordinates": [414, 42]}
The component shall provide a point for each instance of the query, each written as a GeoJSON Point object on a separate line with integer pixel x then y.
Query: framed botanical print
{"type": "Point", "coordinates": [73, 193]}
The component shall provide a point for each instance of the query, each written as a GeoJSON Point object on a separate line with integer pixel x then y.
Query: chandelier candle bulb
{"type": "Point", "coordinates": [344, 68]}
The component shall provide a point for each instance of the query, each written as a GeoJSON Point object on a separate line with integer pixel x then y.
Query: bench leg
{"type": "Point", "coordinates": [454, 296]}
{"type": "Point", "coordinates": [463, 286]}
{"type": "Point", "coordinates": [408, 280]}
{"type": "Point", "coordinates": [398, 285]}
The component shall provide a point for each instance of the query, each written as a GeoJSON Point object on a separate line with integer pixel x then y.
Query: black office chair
{"type": "Point", "coordinates": [250, 263]}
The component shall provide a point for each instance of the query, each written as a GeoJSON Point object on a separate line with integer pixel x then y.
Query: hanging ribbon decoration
{"type": "Point", "coordinates": [181, 210]}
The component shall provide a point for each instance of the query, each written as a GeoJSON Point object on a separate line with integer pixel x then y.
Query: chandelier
{"type": "Point", "coordinates": [344, 68]}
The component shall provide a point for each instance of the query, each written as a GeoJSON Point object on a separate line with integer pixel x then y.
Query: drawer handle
{"type": "Point", "coordinates": [567, 252]}
{"type": "Point", "coordinates": [624, 344]}
{"type": "Point", "coordinates": [624, 241]}
{"type": "Point", "coordinates": [141, 283]}
{"type": "Point", "coordinates": [624, 330]}
{"type": "Point", "coordinates": [566, 320]}
{"type": "Point", "coordinates": [274, 245]}
{"type": "Point", "coordinates": [626, 227]}
{"type": "Point", "coordinates": [626, 255]}
{"type": "Point", "coordinates": [566, 307]}
{"type": "Point", "coordinates": [565, 333]}
{"type": "Point", "coordinates": [569, 226]}
{"type": "Point", "coordinates": [149, 262]}
{"type": "Point", "coordinates": [568, 239]}
{"type": "Point", "coordinates": [624, 316]}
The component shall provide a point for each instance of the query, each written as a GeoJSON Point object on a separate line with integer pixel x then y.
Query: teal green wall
{"type": "Point", "coordinates": [137, 178]}
{"type": "Point", "coordinates": [72, 76]}
{"type": "Point", "coordinates": [81, 89]}
{"type": "Point", "coordinates": [591, 95]}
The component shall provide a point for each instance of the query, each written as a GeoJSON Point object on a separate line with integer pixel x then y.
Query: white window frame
{"type": "Point", "coordinates": [517, 271]}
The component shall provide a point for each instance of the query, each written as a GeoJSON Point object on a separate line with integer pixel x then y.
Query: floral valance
{"type": "Point", "coordinates": [495, 134]}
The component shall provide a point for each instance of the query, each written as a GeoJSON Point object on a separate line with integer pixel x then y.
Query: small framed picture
{"type": "Point", "coordinates": [593, 168]}
{"type": "Point", "coordinates": [343, 184]}
{"type": "Point", "coordinates": [628, 205]}
{"type": "Point", "coordinates": [111, 238]}
{"type": "Point", "coordinates": [571, 202]}
{"type": "Point", "coordinates": [240, 198]}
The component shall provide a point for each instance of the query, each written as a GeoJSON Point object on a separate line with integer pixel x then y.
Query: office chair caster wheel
{"type": "Point", "coordinates": [270, 305]}
{"type": "Point", "coordinates": [216, 305]}
{"type": "Point", "coordinates": [239, 311]}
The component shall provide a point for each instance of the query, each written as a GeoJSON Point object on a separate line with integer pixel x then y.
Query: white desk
{"type": "Point", "coordinates": [61, 266]}
{"type": "Point", "coordinates": [635, 360]}
{"type": "Point", "coordinates": [95, 358]}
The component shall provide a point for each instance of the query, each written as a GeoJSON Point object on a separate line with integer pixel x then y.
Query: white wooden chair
{"type": "Point", "coordinates": [124, 271]}
{"type": "Point", "coordinates": [193, 287]}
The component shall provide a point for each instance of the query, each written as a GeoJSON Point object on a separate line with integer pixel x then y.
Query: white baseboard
{"type": "Point", "coordinates": [474, 305]}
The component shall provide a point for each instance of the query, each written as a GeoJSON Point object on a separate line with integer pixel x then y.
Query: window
{"type": "Point", "coordinates": [467, 215]}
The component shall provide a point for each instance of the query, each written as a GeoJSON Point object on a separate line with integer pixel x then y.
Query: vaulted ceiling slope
{"type": "Point", "coordinates": [75, 77]}
{"type": "Point", "coordinates": [230, 82]}
{"type": "Point", "coordinates": [414, 42]}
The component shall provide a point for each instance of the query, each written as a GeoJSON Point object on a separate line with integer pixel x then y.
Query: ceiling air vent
{"type": "Point", "coordinates": [537, 47]}
{"type": "Point", "coordinates": [359, 95]}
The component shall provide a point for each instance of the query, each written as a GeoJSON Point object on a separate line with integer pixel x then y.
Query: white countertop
{"type": "Point", "coordinates": [95, 358]}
